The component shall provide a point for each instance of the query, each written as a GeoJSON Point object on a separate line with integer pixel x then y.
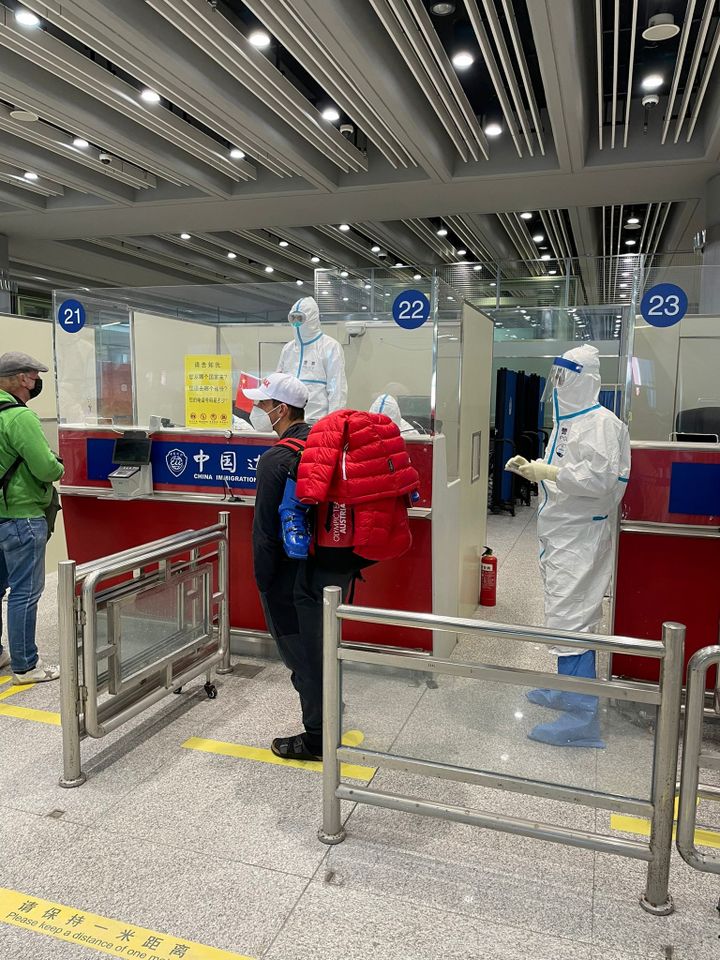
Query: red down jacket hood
{"type": "Point", "coordinates": [352, 456]}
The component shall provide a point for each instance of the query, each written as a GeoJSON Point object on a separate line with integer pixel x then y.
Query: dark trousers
{"type": "Point", "coordinates": [293, 610]}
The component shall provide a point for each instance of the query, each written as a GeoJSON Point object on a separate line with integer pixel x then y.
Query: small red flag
{"type": "Point", "coordinates": [247, 382]}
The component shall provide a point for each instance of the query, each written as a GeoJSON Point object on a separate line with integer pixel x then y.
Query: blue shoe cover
{"type": "Point", "coordinates": [294, 524]}
{"type": "Point", "coordinates": [570, 730]}
{"type": "Point", "coordinates": [575, 665]}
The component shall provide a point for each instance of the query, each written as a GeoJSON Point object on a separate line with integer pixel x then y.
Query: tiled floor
{"type": "Point", "coordinates": [223, 851]}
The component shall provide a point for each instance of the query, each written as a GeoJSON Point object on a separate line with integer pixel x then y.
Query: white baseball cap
{"type": "Point", "coordinates": [280, 386]}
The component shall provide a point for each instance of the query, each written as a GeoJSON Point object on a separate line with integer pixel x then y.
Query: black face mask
{"type": "Point", "coordinates": [36, 389]}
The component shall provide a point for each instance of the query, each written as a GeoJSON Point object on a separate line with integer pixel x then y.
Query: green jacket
{"type": "Point", "coordinates": [30, 488]}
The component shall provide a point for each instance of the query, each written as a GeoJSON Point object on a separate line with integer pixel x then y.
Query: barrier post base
{"type": "Point", "coordinates": [331, 838]}
{"type": "Point", "coordinates": [661, 910]}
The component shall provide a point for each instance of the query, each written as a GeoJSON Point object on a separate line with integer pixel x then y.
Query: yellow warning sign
{"type": "Point", "coordinates": [208, 391]}
{"type": "Point", "coordinates": [103, 934]}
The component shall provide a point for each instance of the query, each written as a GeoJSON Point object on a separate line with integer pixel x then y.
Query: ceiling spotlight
{"type": "Point", "coordinates": [375, 249]}
{"type": "Point", "coordinates": [25, 18]}
{"type": "Point", "coordinates": [284, 243]}
{"type": "Point", "coordinates": [546, 256]}
{"type": "Point", "coordinates": [269, 269]}
{"type": "Point", "coordinates": [24, 116]}
{"type": "Point", "coordinates": [237, 154]}
{"type": "Point", "coordinates": [344, 227]}
{"type": "Point", "coordinates": [661, 27]}
{"type": "Point", "coordinates": [299, 282]}
{"type": "Point", "coordinates": [184, 236]}
{"type": "Point", "coordinates": [552, 272]}
{"type": "Point", "coordinates": [314, 259]}
{"type": "Point", "coordinates": [345, 299]}
{"type": "Point", "coordinates": [623, 286]}
{"type": "Point", "coordinates": [653, 81]}
{"type": "Point", "coordinates": [442, 9]}
{"type": "Point", "coordinates": [149, 96]}
{"type": "Point", "coordinates": [633, 220]}
{"type": "Point", "coordinates": [343, 273]}
{"type": "Point", "coordinates": [231, 255]}
{"type": "Point", "coordinates": [461, 252]}
{"type": "Point", "coordinates": [399, 263]}
{"type": "Point", "coordinates": [29, 175]}
{"type": "Point", "coordinates": [330, 114]}
{"type": "Point", "coordinates": [368, 286]}
{"type": "Point", "coordinates": [442, 232]}
{"type": "Point", "coordinates": [259, 39]}
{"type": "Point", "coordinates": [462, 60]}
{"type": "Point", "coordinates": [526, 216]}
{"type": "Point", "coordinates": [417, 276]}
{"type": "Point", "coordinates": [477, 267]}
{"type": "Point", "coordinates": [538, 237]}
{"type": "Point", "coordinates": [80, 143]}
{"type": "Point", "coordinates": [493, 129]}
{"type": "Point", "coordinates": [630, 243]}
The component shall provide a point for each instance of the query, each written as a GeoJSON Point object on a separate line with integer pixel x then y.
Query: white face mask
{"type": "Point", "coordinates": [260, 420]}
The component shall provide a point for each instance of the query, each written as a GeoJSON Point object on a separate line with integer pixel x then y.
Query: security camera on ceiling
{"type": "Point", "coordinates": [347, 130]}
{"type": "Point", "coordinates": [650, 100]}
{"type": "Point", "coordinates": [105, 158]}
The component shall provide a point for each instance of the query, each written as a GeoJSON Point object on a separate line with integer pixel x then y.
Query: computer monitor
{"type": "Point", "coordinates": [132, 451]}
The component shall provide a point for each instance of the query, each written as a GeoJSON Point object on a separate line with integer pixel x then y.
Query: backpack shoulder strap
{"type": "Point", "coordinates": [10, 472]}
{"type": "Point", "coordinates": [292, 443]}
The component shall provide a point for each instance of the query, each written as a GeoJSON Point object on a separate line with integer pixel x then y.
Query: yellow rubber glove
{"type": "Point", "coordinates": [515, 464]}
{"type": "Point", "coordinates": [537, 470]}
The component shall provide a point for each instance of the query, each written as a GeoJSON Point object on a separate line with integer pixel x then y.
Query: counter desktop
{"type": "Point", "coordinates": [180, 476]}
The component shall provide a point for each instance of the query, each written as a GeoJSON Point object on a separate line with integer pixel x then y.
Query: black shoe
{"type": "Point", "coordinates": [294, 748]}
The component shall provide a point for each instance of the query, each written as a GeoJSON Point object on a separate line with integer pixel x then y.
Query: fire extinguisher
{"type": "Point", "coordinates": [488, 579]}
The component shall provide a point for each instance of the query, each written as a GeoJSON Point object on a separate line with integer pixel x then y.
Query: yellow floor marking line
{"type": "Point", "coordinates": [16, 688]}
{"type": "Point", "coordinates": [641, 826]}
{"type": "Point", "coordinates": [5, 680]}
{"type": "Point", "coordinates": [103, 934]}
{"type": "Point", "coordinates": [352, 738]}
{"type": "Point", "coordinates": [29, 713]}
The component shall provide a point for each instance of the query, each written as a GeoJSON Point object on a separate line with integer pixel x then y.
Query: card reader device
{"type": "Point", "coordinates": [131, 456]}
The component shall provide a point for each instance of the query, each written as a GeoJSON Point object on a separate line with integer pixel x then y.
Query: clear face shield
{"type": "Point", "coordinates": [562, 372]}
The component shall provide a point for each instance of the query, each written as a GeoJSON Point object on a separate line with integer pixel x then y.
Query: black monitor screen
{"type": "Point", "coordinates": [132, 451]}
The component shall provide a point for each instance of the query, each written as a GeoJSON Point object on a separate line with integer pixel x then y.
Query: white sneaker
{"type": "Point", "coordinates": [40, 673]}
{"type": "Point", "coordinates": [4, 659]}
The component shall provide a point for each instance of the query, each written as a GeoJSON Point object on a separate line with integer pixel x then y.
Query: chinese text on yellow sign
{"type": "Point", "coordinates": [208, 391]}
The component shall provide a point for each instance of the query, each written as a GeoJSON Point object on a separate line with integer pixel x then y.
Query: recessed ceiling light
{"type": "Point", "coordinates": [399, 263]}
{"type": "Point", "coordinates": [526, 215]}
{"type": "Point", "coordinates": [545, 256]}
{"type": "Point", "coordinates": [299, 282]}
{"type": "Point", "coordinates": [80, 143]}
{"type": "Point", "coordinates": [632, 226]}
{"type": "Point", "coordinates": [442, 232]}
{"type": "Point", "coordinates": [343, 273]}
{"type": "Point", "coordinates": [653, 81]}
{"type": "Point", "coordinates": [538, 237]}
{"type": "Point", "coordinates": [231, 255]}
{"type": "Point", "coordinates": [364, 307]}
{"type": "Point", "coordinates": [493, 129]}
{"type": "Point", "coordinates": [368, 286]}
{"type": "Point", "coordinates": [493, 284]}
{"type": "Point", "coordinates": [630, 243]}
{"type": "Point", "coordinates": [375, 249]}
{"type": "Point", "coordinates": [477, 267]}
{"type": "Point", "coordinates": [345, 299]}
{"type": "Point", "coordinates": [259, 39]}
{"type": "Point", "coordinates": [237, 154]}
{"type": "Point", "coordinates": [29, 175]}
{"type": "Point", "coordinates": [26, 18]}
{"type": "Point", "coordinates": [24, 116]}
{"type": "Point", "coordinates": [552, 272]}
{"type": "Point", "coordinates": [462, 60]}
{"type": "Point", "coordinates": [461, 252]}
{"type": "Point", "coordinates": [184, 236]}
{"type": "Point", "coordinates": [623, 286]}
{"type": "Point", "coordinates": [633, 220]}
{"type": "Point", "coordinates": [417, 276]}
{"type": "Point", "coordinates": [330, 114]}
{"type": "Point", "coordinates": [284, 243]}
{"type": "Point", "coordinates": [269, 269]}
{"type": "Point", "coordinates": [442, 9]}
{"type": "Point", "coordinates": [149, 96]}
{"type": "Point", "coordinates": [661, 27]}
{"type": "Point", "coordinates": [344, 227]}
{"type": "Point", "coordinates": [314, 259]}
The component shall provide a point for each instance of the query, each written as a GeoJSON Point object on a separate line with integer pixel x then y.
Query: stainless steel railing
{"type": "Point", "coordinates": [666, 695]}
{"type": "Point", "coordinates": [94, 702]}
{"type": "Point", "coordinates": [694, 759]}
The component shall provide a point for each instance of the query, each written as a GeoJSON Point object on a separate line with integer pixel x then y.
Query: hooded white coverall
{"type": "Point", "coordinates": [388, 405]}
{"type": "Point", "coordinates": [577, 516]}
{"type": "Point", "coordinates": [315, 358]}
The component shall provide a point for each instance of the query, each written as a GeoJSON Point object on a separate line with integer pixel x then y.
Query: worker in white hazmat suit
{"type": "Point", "coordinates": [388, 405]}
{"type": "Point", "coordinates": [316, 359]}
{"type": "Point", "coordinates": [582, 480]}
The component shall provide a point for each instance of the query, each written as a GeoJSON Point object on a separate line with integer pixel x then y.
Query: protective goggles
{"type": "Point", "coordinates": [296, 318]}
{"type": "Point", "coordinates": [561, 372]}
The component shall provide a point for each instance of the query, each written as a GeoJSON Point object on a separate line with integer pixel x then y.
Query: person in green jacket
{"type": "Point", "coordinates": [28, 468]}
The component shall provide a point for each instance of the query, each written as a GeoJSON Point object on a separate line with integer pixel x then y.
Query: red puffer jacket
{"type": "Point", "coordinates": [359, 459]}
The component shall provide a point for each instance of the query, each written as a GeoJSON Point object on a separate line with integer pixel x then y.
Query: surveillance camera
{"type": "Point", "coordinates": [347, 130]}
{"type": "Point", "coordinates": [355, 328]}
{"type": "Point", "coordinates": [105, 158]}
{"type": "Point", "coordinates": [650, 100]}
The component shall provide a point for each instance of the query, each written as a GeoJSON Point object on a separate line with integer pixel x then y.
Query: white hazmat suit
{"type": "Point", "coordinates": [388, 405]}
{"type": "Point", "coordinates": [316, 359]}
{"type": "Point", "coordinates": [582, 479]}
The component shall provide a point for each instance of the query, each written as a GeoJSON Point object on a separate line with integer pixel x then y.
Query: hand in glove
{"type": "Point", "coordinates": [538, 470]}
{"type": "Point", "coordinates": [515, 464]}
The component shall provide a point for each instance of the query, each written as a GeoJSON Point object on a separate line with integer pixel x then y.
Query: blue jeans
{"type": "Point", "coordinates": [22, 570]}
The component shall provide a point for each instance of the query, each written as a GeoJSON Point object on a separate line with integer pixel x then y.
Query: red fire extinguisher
{"type": "Point", "coordinates": [488, 579]}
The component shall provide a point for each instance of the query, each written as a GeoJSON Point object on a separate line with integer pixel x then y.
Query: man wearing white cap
{"type": "Point", "coordinates": [28, 468]}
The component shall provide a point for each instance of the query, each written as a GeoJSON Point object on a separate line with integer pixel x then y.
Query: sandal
{"type": "Point", "coordinates": [293, 748]}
